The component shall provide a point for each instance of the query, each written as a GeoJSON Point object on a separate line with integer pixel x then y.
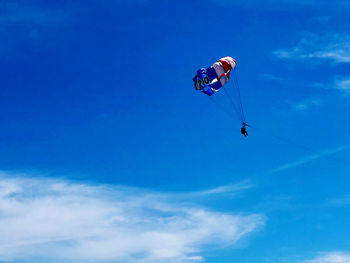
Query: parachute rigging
{"type": "Point", "coordinates": [212, 79]}
{"type": "Point", "coordinates": [236, 102]}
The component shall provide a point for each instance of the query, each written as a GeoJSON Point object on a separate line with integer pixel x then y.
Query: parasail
{"type": "Point", "coordinates": [212, 79]}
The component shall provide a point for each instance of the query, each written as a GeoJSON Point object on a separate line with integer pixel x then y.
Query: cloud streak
{"type": "Point", "coordinates": [306, 159]}
{"type": "Point", "coordinates": [62, 221]}
{"type": "Point", "coordinates": [340, 201]}
{"type": "Point", "coordinates": [332, 47]}
{"type": "Point", "coordinates": [330, 257]}
{"type": "Point", "coordinates": [225, 189]}
{"type": "Point", "coordinates": [306, 104]}
{"type": "Point", "coordinates": [343, 85]}
{"type": "Point", "coordinates": [339, 83]}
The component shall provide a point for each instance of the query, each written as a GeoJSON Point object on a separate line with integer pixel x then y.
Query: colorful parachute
{"type": "Point", "coordinates": [210, 80]}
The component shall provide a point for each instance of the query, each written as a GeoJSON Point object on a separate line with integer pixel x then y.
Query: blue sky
{"type": "Point", "coordinates": [108, 154]}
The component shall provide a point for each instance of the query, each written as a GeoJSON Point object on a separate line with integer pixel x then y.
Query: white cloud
{"type": "Point", "coordinates": [306, 104]}
{"type": "Point", "coordinates": [331, 257]}
{"type": "Point", "coordinates": [331, 47]}
{"type": "Point", "coordinates": [225, 189]}
{"type": "Point", "coordinates": [340, 201]}
{"type": "Point", "coordinates": [343, 85]}
{"type": "Point", "coordinates": [306, 159]}
{"type": "Point", "coordinates": [62, 221]}
{"type": "Point", "coordinates": [339, 83]}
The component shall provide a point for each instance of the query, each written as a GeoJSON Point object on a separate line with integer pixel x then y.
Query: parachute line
{"type": "Point", "coordinates": [235, 78]}
{"type": "Point", "coordinates": [237, 106]}
{"type": "Point", "coordinates": [238, 111]}
{"type": "Point", "coordinates": [235, 116]}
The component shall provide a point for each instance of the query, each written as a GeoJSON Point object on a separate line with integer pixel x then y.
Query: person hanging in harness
{"type": "Point", "coordinates": [244, 130]}
{"type": "Point", "coordinates": [211, 79]}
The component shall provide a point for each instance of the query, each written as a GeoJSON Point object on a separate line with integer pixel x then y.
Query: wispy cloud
{"type": "Point", "coordinates": [306, 159]}
{"type": "Point", "coordinates": [343, 85]}
{"type": "Point", "coordinates": [285, 4]}
{"type": "Point", "coordinates": [340, 201]}
{"type": "Point", "coordinates": [62, 221]}
{"type": "Point", "coordinates": [306, 104]}
{"type": "Point", "coordinates": [330, 257]}
{"type": "Point", "coordinates": [331, 47]}
{"type": "Point", "coordinates": [339, 83]}
{"type": "Point", "coordinates": [231, 189]}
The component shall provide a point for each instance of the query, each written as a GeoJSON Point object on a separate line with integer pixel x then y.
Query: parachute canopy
{"type": "Point", "coordinates": [211, 79]}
